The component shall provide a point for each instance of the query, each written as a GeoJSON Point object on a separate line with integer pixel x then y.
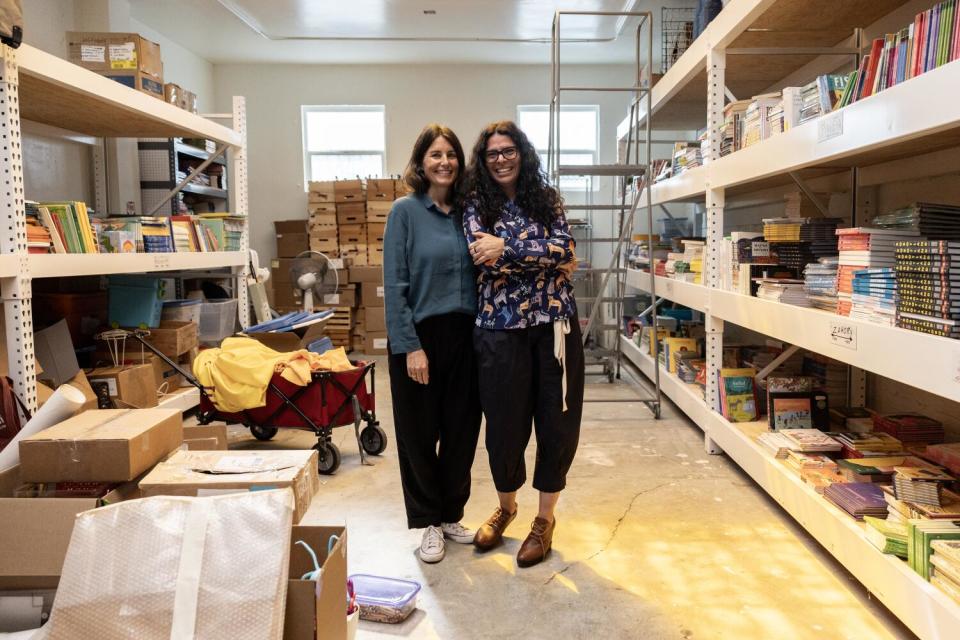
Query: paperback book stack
{"type": "Point", "coordinates": [945, 567]}
{"type": "Point", "coordinates": [784, 290]}
{"type": "Point", "coordinates": [931, 220]}
{"type": "Point", "coordinates": [879, 470]}
{"type": "Point", "coordinates": [810, 441]}
{"type": "Point", "coordinates": [858, 499]}
{"type": "Point", "coordinates": [755, 119]}
{"type": "Point", "coordinates": [864, 248]}
{"type": "Point", "coordinates": [869, 444]}
{"type": "Point", "coordinates": [886, 535]}
{"type": "Point", "coordinates": [920, 536]}
{"type": "Point", "coordinates": [874, 296]}
{"type": "Point", "coordinates": [910, 428]}
{"type": "Point", "coordinates": [730, 135]}
{"type": "Point", "coordinates": [776, 443]}
{"type": "Point", "coordinates": [686, 155]}
{"type": "Point", "coordinates": [901, 511]}
{"type": "Point", "coordinates": [799, 461]}
{"type": "Point", "coordinates": [920, 485]}
{"type": "Point", "coordinates": [820, 282]}
{"type": "Point", "coordinates": [928, 285]}
{"type": "Point", "coordinates": [38, 237]}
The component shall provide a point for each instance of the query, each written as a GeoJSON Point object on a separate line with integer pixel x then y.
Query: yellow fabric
{"type": "Point", "coordinates": [240, 370]}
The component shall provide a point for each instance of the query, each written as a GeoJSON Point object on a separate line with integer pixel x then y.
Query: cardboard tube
{"type": "Point", "coordinates": [64, 402]}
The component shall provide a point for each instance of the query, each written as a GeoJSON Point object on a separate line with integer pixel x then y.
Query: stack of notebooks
{"type": "Point", "coordinates": [910, 428]}
{"type": "Point", "coordinates": [810, 440]}
{"type": "Point", "coordinates": [945, 567]}
{"type": "Point", "coordinates": [874, 296]}
{"type": "Point", "coordinates": [858, 499]}
{"type": "Point", "coordinates": [928, 286]}
{"type": "Point", "coordinates": [783, 290]}
{"type": "Point", "coordinates": [776, 443]}
{"type": "Point", "coordinates": [888, 537]}
{"type": "Point", "coordinates": [920, 535]}
{"type": "Point", "coordinates": [869, 444]}
{"type": "Point", "coordinates": [931, 220]}
{"type": "Point", "coordinates": [878, 470]}
{"type": "Point", "coordinates": [863, 248]}
{"type": "Point", "coordinates": [920, 485]}
{"type": "Point", "coordinates": [946, 455]}
{"type": "Point", "coordinates": [901, 510]}
{"type": "Point", "coordinates": [820, 282]}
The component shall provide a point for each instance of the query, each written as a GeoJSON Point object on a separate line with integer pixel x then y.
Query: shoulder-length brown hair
{"type": "Point", "coordinates": [413, 174]}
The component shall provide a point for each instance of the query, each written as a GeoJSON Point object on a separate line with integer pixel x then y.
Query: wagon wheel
{"type": "Point", "coordinates": [263, 433]}
{"type": "Point", "coordinates": [373, 439]}
{"type": "Point", "coordinates": [329, 458]}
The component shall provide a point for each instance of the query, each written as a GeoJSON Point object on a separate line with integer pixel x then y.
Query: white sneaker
{"type": "Point", "coordinates": [458, 533]}
{"type": "Point", "coordinates": [431, 546]}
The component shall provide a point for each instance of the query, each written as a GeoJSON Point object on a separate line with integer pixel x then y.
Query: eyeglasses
{"type": "Point", "coordinates": [508, 154]}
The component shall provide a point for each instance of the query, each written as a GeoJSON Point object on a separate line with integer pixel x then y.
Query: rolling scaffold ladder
{"type": "Point", "coordinates": [633, 173]}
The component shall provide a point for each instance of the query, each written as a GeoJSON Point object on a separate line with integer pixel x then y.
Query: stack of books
{"type": "Point", "coordinates": [858, 499]}
{"type": "Point", "coordinates": [901, 510]}
{"type": "Point", "coordinates": [920, 535]}
{"type": "Point", "coordinates": [889, 537]}
{"type": "Point", "coordinates": [855, 419]}
{"type": "Point", "coordinates": [686, 155]}
{"type": "Point", "coordinates": [910, 428]}
{"type": "Point", "coordinates": [931, 220]}
{"type": "Point", "coordinates": [868, 444]}
{"type": "Point", "coordinates": [920, 485]}
{"type": "Point", "coordinates": [776, 443]}
{"type": "Point", "coordinates": [798, 461]}
{"type": "Point", "coordinates": [731, 135]}
{"type": "Point", "coordinates": [783, 290]}
{"type": "Point", "coordinates": [863, 248]}
{"type": "Point", "coordinates": [820, 282]}
{"type": "Point", "coordinates": [874, 296]}
{"type": "Point", "coordinates": [794, 255]}
{"type": "Point", "coordinates": [809, 102]}
{"type": "Point", "coordinates": [69, 226]}
{"type": "Point", "coordinates": [755, 123]}
{"type": "Point", "coordinates": [880, 470]}
{"type": "Point", "coordinates": [928, 282]}
{"type": "Point", "coordinates": [945, 567]}
{"type": "Point", "coordinates": [810, 440]}
{"type": "Point", "coordinates": [39, 239]}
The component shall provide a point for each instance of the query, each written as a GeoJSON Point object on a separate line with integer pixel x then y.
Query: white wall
{"type": "Point", "coordinates": [181, 66]}
{"type": "Point", "coordinates": [462, 97]}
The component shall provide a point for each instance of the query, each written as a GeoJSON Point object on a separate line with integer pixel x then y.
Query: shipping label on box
{"type": "Point", "coordinates": [371, 294]}
{"type": "Point", "coordinates": [375, 343]}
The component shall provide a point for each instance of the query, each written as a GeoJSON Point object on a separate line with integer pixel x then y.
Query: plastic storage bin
{"type": "Point", "coordinates": [182, 310]}
{"type": "Point", "coordinates": [134, 301]}
{"type": "Point", "coordinates": [385, 599]}
{"type": "Point", "coordinates": [218, 319]}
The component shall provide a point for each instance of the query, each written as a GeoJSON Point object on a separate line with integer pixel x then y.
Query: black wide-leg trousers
{"type": "Point", "coordinates": [436, 480]}
{"type": "Point", "coordinates": [520, 390]}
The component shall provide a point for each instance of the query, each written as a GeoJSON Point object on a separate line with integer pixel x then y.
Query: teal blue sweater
{"type": "Point", "coordinates": [427, 270]}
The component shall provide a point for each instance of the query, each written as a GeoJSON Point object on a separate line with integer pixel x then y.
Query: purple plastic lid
{"type": "Point", "coordinates": [390, 592]}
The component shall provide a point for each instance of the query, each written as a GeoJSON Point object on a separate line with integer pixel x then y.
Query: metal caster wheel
{"type": "Point", "coordinates": [373, 439]}
{"type": "Point", "coordinates": [263, 433]}
{"type": "Point", "coordinates": [329, 460]}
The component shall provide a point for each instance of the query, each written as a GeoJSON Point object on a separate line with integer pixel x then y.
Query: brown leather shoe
{"type": "Point", "coordinates": [490, 533]}
{"type": "Point", "coordinates": [537, 545]}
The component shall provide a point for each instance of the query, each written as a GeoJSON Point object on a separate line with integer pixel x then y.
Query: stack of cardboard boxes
{"type": "Point", "coordinates": [322, 218]}
{"type": "Point", "coordinates": [126, 58]}
{"type": "Point", "coordinates": [291, 241]}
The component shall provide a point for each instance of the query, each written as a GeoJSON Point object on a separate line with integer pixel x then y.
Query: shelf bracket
{"type": "Point", "coordinates": [666, 211]}
{"type": "Point", "coordinates": [807, 191]}
{"type": "Point", "coordinates": [785, 355]}
{"type": "Point", "coordinates": [193, 174]}
{"type": "Point", "coordinates": [729, 94]}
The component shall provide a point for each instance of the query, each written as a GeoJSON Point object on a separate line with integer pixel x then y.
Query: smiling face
{"type": "Point", "coordinates": [440, 165]}
{"type": "Point", "coordinates": [503, 161]}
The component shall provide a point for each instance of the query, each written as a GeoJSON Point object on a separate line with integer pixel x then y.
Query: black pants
{"type": "Point", "coordinates": [436, 483]}
{"type": "Point", "coordinates": [520, 387]}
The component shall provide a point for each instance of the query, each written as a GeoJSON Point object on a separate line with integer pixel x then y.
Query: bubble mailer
{"type": "Point", "coordinates": [177, 568]}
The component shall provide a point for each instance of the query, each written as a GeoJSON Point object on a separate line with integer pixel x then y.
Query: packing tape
{"type": "Point", "coordinates": [187, 592]}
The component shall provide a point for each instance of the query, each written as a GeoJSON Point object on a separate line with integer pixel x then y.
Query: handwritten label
{"type": "Point", "coordinates": [843, 335]}
{"type": "Point", "coordinates": [830, 126]}
{"type": "Point", "coordinates": [93, 53]}
{"type": "Point", "coordinates": [161, 261]}
{"type": "Point", "coordinates": [336, 263]}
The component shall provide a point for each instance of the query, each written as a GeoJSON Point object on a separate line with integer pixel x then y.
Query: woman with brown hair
{"type": "Point", "coordinates": [431, 300]}
{"type": "Point", "coordinates": [527, 334]}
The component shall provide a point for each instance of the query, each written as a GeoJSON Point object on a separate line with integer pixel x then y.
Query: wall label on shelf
{"type": "Point", "coordinates": [161, 261]}
{"type": "Point", "coordinates": [830, 126]}
{"type": "Point", "coordinates": [843, 334]}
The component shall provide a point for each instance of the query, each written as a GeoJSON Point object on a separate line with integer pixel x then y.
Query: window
{"type": "Point", "coordinates": [343, 141]}
{"type": "Point", "coordinates": [578, 137]}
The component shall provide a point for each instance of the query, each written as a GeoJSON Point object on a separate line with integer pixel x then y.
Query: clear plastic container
{"type": "Point", "coordinates": [385, 599]}
{"type": "Point", "coordinates": [218, 320]}
{"type": "Point", "coordinates": [182, 310]}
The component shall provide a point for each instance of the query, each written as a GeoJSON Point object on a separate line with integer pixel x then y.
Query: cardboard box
{"type": "Point", "coordinates": [183, 474]}
{"type": "Point", "coordinates": [315, 610]}
{"type": "Point", "coordinates": [375, 232]}
{"type": "Point", "coordinates": [381, 189]}
{"type": "Point", "coordinates": [374, 255]}
{"type": "Point", "coordinates": [129, 386]}
{"type": "Point", "coordinates": [323, 218]}
{"type": "Point", "coordinates": [173, 94]}
{"type": "Point", "coordinates": [378, 211]}
{"type": "Point", "coordinates": [139, 81]}
{"type": "Point", "coordinates": [174, 338]}
{"type": "Point", "coordinates": [353, 234]}
{"type": "Point", "coordinates": [36, 532]}
{"type": "Point", "coordinates": [85, 313]}
{"type": "Point", "coordinates": [321, 191]}
{"type": "Point", "coordinates": [55, 355]}
{"type": "Point", "coordinates": [162, 372]}
{"type": "Point", "coordinates": [327, 246]}
{"type": "Point", "coordinates": [286, 295]}
{"type": "Point", "coordinates": [290, 226]}
{"type": "Point", "coordinates": [375, 320]}
{"type": "Point", "coordinates": [357, 253]}
{"type": "Point", "coordinates": [375, 343]}
{"type": "Point", "coordinates": [286, 341]}
{"type": "Point", "coordinates": [290, 245]}
{"type": "Point", "coordinates": [111, 52]}
{"type": "Point", "coordinates": [114, 445]}
{"type": "Point", "coordinates": [348, 191]}
{"type": "Point", "coordinates": [366, 274]}
{"type": "Point", "coordinates": [280, 269]}
{"type": "Point", "coordinates": [371, 295]}
{"type": "Point", "coordinates": [210, 437]}
{"type": "Point", "coordinates": [352, 213]}
{"type": "Point", "coordinates": [400, 187]}
{"type": "Point", "coordinates": [321, 232]}
{"type": "Point", "coordinates": [190, 102]}
{"type": "Point", "coordinates": [345, 297]}
{"type": "Point", "coordinates": [319, 208]}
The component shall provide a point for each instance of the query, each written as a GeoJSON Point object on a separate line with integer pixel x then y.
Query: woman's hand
{"type": "Point", "coordinates": [485, 249]}
{"type": "Point", "coordinates": [417, 366]}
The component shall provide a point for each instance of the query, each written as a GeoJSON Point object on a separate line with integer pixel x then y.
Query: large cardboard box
{"type": "Point", "coordinates": [371, 295]}
{"type": "Point", "coordinates": [362, 274]}
{"type": "Point", "coordinates": [110, 52]}
{"type": "Point", "coordinates": [346, 296]}
{"type": "Point", "coordinates": [114, 445]}
{"type": "Point", "coordinates": [292, 237]}
{"type": "Point", "coordinates": [315, 610]}
{"type": "Point", "coordinates": [321, 208]}
{"type": "Point", "coordinates": [375, 320]}
{"type": "Point", "coordinates": [286, 341]}
{"type": "Point", "coordinates": [280, 269]}
{"type": "Point", "coordinates": [162, 372]}
{"type": "Point", "coordinates": [375, 343]}
{"type": "Point", "coordinates": [352, 234]}
{"type": "Point", "coordinates": [204, 473]}
{"type": "Point", "coordinates": [36, 532]}
{"type": "Point", "coordinates": [129, 386]}
{"type": "Point", "coordinates": [139, 81]}
{"type": "Point", "coordinates": [348, 191]}
{"type": "Point", "coordinates": [174, 338]}
{"type": "Point", "coordinates": [323, 218]}
{"type": "Point", "coordinates": [208, 437]}
{"type": "Point", "coordinates": [325, 231]}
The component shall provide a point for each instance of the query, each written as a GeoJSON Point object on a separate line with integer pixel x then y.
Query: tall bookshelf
{"type": "Point", "coordinates": [750, 47]}
{"type": "Point", "coordinates": [40, 88]}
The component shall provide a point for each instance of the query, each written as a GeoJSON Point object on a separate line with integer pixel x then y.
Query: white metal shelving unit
{"type": "Point", "coordinates": [37, 87]}
{"type": "Point", "coordinates": [918, 116]}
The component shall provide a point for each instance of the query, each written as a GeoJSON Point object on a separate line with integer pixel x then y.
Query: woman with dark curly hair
{"type": "Point", "coordinates": [527, 334]}
{"type": "Point", "coordinates": [431, 301]}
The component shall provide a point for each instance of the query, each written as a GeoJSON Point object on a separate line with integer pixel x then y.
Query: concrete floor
{"type": "Point", "coordinates": [655, 540]}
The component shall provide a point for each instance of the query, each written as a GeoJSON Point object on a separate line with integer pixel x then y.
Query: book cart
{"type": "Point", "coordinates": [755, 46]}
{"type": "Point", "coordinates": [39, 90]}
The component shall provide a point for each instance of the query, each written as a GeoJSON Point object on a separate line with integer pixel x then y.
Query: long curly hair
{"type": "Point", "coordinates": [535, 196]}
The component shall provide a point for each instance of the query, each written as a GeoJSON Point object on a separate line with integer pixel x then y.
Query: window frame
{"type": "Point", "coordinates": [345, 108]}
{"type": "Point", "coordinates": [595, 109]}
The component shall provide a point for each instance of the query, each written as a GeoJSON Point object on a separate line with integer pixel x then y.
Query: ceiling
{"type": "Point", "coordinates": [393, 31]}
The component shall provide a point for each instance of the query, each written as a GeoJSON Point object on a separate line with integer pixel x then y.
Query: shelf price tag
{"type": "Point", "coordinates": [830, 126]}
{"type": "Point", "coordinates": [843, 334]}
{"type": "Point", "coordinates": [161, 261]}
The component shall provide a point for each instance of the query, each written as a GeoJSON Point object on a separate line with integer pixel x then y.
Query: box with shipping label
{"type": "Point", "coordinates": [107, 52]}
{"type": "Point", "coordinates": [139, 81]}
{"type": "Point", "coordinates": [348, 191]}
{"type": "Point", "coordinates": [114, 445]}
{"type": "Point", "coordinates": [165, 376]}
{"type": "Point", "coordinates": [345, 297]}
{"type": "Point", "coordinates": [375, 343]}
{"type": "Point", "coordinates": [371, 294]}
{"type": "Point", "coordinates": [315, 609]}
{"type": "Point", "coordinates": [125, 386]}
{"type": "Point", "coordinates": [207, 473]}
{"type": "Point", "coordinates": [361, 273]}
